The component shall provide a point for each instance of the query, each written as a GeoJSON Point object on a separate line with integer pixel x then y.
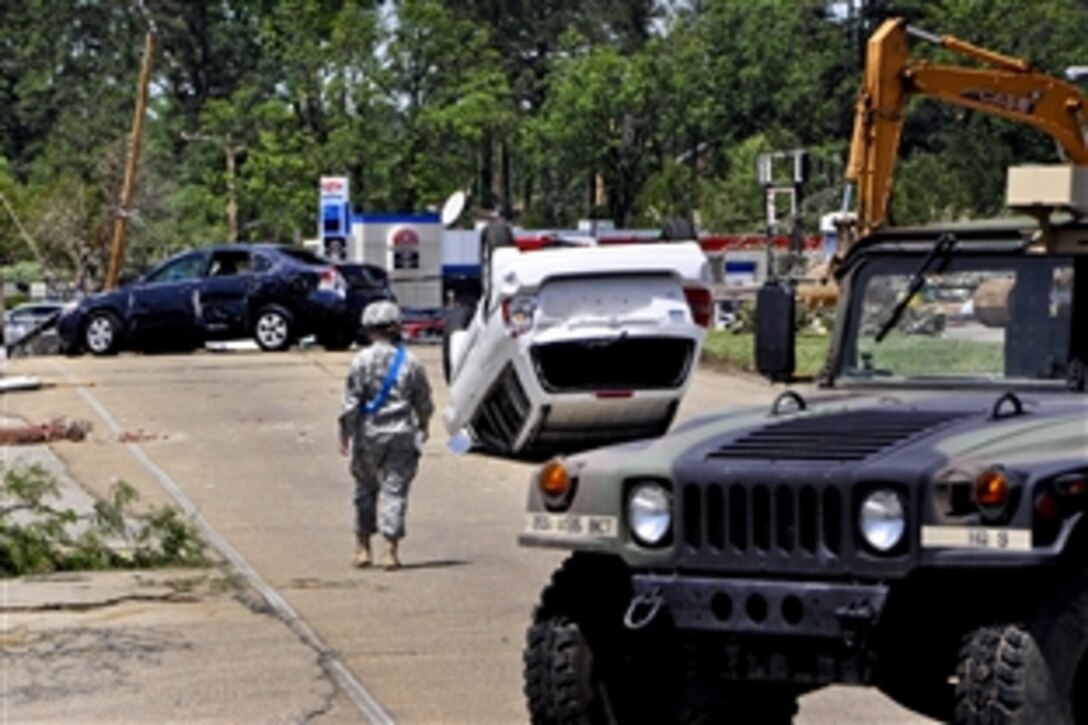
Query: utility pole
{"type": "Point", "coordinates": [120, 225]}
{"type": "Point", "coordinates": [232, 193]}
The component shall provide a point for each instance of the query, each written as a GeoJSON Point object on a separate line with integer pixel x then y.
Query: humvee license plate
{"type": "Point", "coordinates": [572, 525]}
{"type": "Point", "coordinates": [975, 537]}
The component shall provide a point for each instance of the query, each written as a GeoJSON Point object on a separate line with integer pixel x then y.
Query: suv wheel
{"type": "Point", "coordinates": [272, 329]}
{"type": "Point", "coordinates": [1039, 673]}
{"type": "Point", "coordinates": [102, 333]}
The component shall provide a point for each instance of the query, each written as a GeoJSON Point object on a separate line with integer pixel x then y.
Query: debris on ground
{"type": "Point", "coordinates": [19, 382]}
{"type": "Point", "coordinates": [138, 436]}
{"type": "Point", "coordinates": [55, 430]}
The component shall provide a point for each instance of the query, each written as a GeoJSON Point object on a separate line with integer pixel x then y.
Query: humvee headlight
{"type": "Point", "coordinates": [649, 513]}
{"type": "Point", "coordinates": [881, 520]}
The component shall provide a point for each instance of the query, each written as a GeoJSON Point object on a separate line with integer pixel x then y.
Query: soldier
{"type": "Point", "coordinates": [496, 233]}
{"type": "Point", "coordinates": [384, 418]}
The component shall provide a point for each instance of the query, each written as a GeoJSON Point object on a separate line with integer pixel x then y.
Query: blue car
{"type": "Point", "coordinates": [273, 293]}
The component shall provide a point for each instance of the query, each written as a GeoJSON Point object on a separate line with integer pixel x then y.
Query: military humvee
{"type": "Point", "coordinates": [918, 522]}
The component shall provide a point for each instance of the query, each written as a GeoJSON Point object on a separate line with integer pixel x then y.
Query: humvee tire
{"type": "Point", "coordinates": [576, 668]}
{"type": "Point", "coordinates": [582, 665]}
{"type": "Point", "coordinates": [1021, 675]}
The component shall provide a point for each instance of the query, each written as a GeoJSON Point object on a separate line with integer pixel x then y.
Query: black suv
{"type": "Point", "coordinates": [273, 293]}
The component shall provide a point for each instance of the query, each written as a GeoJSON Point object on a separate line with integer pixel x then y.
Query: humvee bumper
{"type": "Point", "coordinates": [811, 609]}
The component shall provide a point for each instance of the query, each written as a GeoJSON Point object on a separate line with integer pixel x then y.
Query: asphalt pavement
{"type": "Point", "coordinates": [280, 629]}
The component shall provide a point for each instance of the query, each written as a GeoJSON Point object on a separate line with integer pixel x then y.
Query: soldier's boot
{"type": "Point", "coordinates": [363, 557]}
{"type": "Point", "coordinates": [390, 560]}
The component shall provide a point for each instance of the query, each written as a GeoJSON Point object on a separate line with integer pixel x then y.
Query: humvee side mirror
{"type": "Point", "coordinates": [775, 331]}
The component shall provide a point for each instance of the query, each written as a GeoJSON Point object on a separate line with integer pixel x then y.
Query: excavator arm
{"type": "Point", "coordinates": [1009, 88]}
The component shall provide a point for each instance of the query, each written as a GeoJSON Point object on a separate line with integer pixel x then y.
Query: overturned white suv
{"type": "Point", "coordinates": [572, 347]}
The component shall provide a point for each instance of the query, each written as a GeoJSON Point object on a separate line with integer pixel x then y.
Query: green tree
{"type": "Point", "coordinates": [603, 117]}
{"type": "Point", "coordinates": [451, 95]}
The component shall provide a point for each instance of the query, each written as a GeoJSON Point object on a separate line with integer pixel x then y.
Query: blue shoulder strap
{"type": "Point", "coordinates": [373, 406]}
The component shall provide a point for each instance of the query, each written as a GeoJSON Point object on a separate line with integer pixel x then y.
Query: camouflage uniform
{"type": "Point", "coordinates": [384, 455]}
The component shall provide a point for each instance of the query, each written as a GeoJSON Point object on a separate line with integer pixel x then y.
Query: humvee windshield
{"type": "Point", "coordinates": [975, 318]}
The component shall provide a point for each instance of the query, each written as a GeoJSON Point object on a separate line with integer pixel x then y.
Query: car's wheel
{"type": "Point", "coordinates": [273, 328]}
{"type": "Point", "coordinates": [1037, 673]}
{"type": "Point", "coordinates": [457, 318]}
{"type": "Point", "coordinates": [102, 333]}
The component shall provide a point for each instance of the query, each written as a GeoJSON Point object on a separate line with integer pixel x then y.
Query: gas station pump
{"type": "Point", "coordinates": [334, 222]}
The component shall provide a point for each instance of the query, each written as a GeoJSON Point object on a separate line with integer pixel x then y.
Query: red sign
{"type": "Point", "coordinates": [404, 238]}
{"type": "Point", "coordinates": [334, 187]}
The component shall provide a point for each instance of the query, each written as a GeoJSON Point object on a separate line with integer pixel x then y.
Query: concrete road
{"type": "Point", "coordinates": [246, 442]}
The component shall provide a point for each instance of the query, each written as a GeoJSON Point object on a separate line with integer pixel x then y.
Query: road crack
{"type": "Point", "coordinates": [164, 598]}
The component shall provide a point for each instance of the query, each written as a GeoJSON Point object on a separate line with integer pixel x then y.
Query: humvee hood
{"type": "Point", "coordinates": [925, 426]}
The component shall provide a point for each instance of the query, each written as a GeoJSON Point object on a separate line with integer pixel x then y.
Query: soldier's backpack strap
{"type": "Point", "coordinates": [373, 406]}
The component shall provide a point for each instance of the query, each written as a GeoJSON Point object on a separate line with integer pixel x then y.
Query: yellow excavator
{"type": "Point", "coordinates": [1008, 87]}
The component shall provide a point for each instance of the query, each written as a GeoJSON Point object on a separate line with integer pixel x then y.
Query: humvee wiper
{"type": "Point", "coordinates": [944, 245]}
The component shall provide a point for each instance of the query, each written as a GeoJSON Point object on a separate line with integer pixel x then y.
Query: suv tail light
{"type": "Point", "coordinates": [331, 281]}
{"type": "Point", "coordinates": [701, 303]}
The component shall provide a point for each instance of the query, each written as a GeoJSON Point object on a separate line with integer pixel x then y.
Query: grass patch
{"type": "Point", "coordinates": [735, 352]}
{"type": "Point", "coordinates": [910, 355]}
{"type": "Point", "coordinates": [37, 537]}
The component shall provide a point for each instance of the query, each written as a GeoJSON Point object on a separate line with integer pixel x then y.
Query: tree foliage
{"type": "Point", "coordinates": [631, 110]}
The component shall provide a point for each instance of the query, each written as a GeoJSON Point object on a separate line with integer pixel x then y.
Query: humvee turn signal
{"type": "Point", "coordinates": [553, 479]}
{"type": "Point", "coordinates": [992, 488]}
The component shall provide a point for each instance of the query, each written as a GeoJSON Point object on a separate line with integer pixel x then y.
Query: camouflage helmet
{"type": "Point", "coordinates": [381, 314]}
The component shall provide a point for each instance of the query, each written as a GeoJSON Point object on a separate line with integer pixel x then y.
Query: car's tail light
{"type": "Point", "coordinates": [701, 303]}
{"type": "Point", "coordinates": [331, 281]}
{"type": "Point", "coordinates": [517, 313]}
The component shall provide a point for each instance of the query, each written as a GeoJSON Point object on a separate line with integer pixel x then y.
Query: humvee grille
{"type": "Point", "coordinates": [741, 519]}
{"type": "Point", "coordinates": [850, 436]}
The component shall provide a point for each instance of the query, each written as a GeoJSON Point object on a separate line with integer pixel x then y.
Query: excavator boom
{"type": "Point", "coordinates": [1009, 88]}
